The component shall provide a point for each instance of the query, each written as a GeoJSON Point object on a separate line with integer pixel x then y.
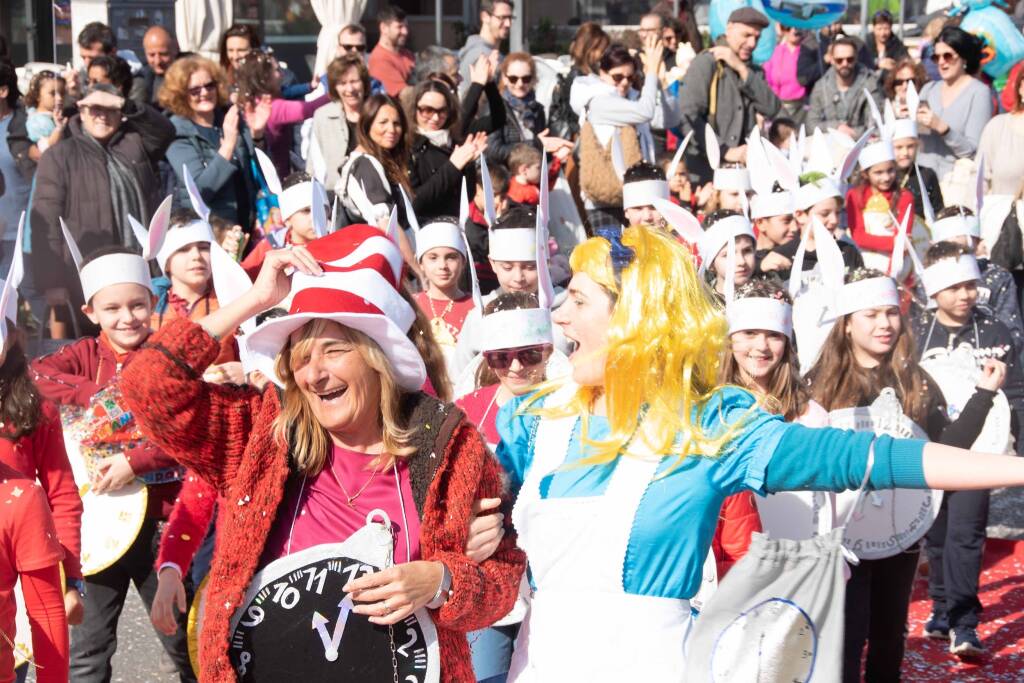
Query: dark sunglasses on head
{"type": "Point", "coordinates": [944, 57]}
{"type": "Point", "coordinates": [427, 112]}
{"type": "Point", "coordinates": [352, 48]}
{"type": "Point", "coordinates": [515, 79]}
{"type": "Point", "coordinates": [198, 90]}
{"type": "Point", "coordinates": [528, 356]}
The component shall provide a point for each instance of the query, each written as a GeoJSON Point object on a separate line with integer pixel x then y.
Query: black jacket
{"type": "Point", "coordinates": [503, 139]}
{"type": "Point", "coordinates": [435, 181]}
{"type": "Point", "coordinates": [908, 181]}
{"type": "Point", "coordinates": [851, 257]}
{"type": "Point", "coordinates": [894, 49]}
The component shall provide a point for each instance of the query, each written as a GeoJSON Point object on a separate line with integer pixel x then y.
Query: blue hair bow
{"type": "Point", "coordinates": [621, 255]}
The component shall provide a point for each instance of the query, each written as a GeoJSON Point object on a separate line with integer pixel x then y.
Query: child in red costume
{"type": "Point", "coordinates": [29, 550]}
{"type": "Point", "coordinates": [872, 204]}
{"type": "Point", "coordinates": [120, 302]}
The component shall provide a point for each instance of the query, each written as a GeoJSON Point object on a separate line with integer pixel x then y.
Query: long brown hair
{"type": "Point", "coordinates": [20, 404]}
{"type": "Point", "coordinates": [587, 46]}
{"type": "Point", "coordinates": [395, 161]}
{"type": "Point", "coordinates": [256, 76]}
{"type": "Point", "coordinates": [451, 104]}
{"type": "Point", "coordinates": [422, 335]}
{"type": "Point", "coordinates": [837, 380]}
{"type": "Point", "coordinates": [787, 395]}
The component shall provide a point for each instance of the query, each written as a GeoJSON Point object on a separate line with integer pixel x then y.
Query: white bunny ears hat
{"type": "Point", "coordinates": [306, 195]}
{"type": "Point", "coordinates": [9, 292]}
{"type": "Point", "coordinates": [160, 242]}
{"type": "Point", "coordinates": [768, 166]}
{"type": "Point", "coordinates": [735, 179]}
{"type": "Point", "coordinates": [820, 160]}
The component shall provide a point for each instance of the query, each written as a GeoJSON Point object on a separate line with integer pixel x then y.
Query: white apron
{"type": "Point", "coordinates": [581, 624]}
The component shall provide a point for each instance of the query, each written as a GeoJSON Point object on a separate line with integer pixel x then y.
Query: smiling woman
{"type": "Point", "coordinates": [350, 439]}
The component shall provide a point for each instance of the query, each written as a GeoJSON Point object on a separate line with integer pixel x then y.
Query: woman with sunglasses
{"type": "Point", "coordinates": [896, 82]}
{"type": "Point", "coordinates": [449, 137]}
{"type": "Point", "coordinates": [525, 120]}
{"type": "Point", "coordinates": [955, 109]}
{"type": "Point", "coordinates": [211, 140]}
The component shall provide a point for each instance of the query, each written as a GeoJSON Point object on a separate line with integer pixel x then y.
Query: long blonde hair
{"type": "Point", "coordinates": [664, 342]}
{"type": "Point", "coordinates": [311, 443]}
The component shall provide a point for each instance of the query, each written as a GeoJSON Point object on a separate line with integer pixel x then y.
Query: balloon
{"type": "Point", "coordinates": [1004, 44]}
{"type": "Point", "coordinates": [718, 17]}
{"type": "Point", "coordinates": [806, 14]}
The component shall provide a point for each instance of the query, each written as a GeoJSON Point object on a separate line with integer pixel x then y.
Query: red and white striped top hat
{"type": "Point", "coordinates": [359, 289]}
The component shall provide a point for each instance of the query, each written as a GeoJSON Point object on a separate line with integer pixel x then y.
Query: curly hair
{"type": "Point", "coordinates": [920, 76]}
{"type": "Point", "coordinates": [257, 76]}
{"type": "Point", "coordinates": [337, 69]}
{"type": "Point", "coordinates": [35, 86]}
{"type": "Point", "coordinates": [173, 95]}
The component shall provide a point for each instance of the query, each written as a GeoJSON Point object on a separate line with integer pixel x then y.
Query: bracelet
{"type": "Point", "coordinates": [444, 589]}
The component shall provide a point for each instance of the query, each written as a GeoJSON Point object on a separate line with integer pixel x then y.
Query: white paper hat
{"type": "Point", "coordinates": [774, 204]}
{"type": "Point", "coordinates": [897, 129]}
{"type": "Point", "coordinates": [864, 294]}
{"type": "Point", "coordinates": [439, 234]}
{"type": "Point", "coordinates": [760, 313]}
{"type": "Point", "coordinates": [904, 128]}
{"type": "Point", "coordinates": [9, 292]}
{"type": "Point", "coordinates": [112, 269]}
{"type": "Point", "coordinates": [955, 226]}
{"type": "Point", "coordinates": [305, 195]}
{"type": "Point", "coordinates": [816, 191]}
{"type": "Point", "coordinates": [643, 193]}
{"type": "Point", "coordinates": [737, 179]}
{"type": "Point", "coordinates": [948, 272]}
{"type": "Point", "coordinates": [160, 242]}
{"type": "Point", "coordinates": [820, 160]}
{"type": "Point", "coordinates": [876, 153]}
{"type": "Point", "coordinates": [719, 235]}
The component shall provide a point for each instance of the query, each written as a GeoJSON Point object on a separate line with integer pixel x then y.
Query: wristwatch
{"type": "Point", "coordinates": [78, 585]}
{"type": "Point", "coordinates": [444, 590]}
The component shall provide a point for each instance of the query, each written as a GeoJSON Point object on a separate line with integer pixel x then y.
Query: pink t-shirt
{"type": "Point", "coordinates": [324, 516]}
{"type": "Point", "coordinates": [481, 409]}
{"type": "Point", "coordinates": [780, 73]}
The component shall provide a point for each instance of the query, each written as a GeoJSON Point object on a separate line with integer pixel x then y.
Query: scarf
{"type": "Point", "coordinates": [524, 112]}
{"type": "Point", "coordinates": [125, 196]}
{"type": "Point", "coordinates": [438, 138]}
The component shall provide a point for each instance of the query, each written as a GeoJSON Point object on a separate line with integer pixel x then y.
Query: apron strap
{"type": "Point", "coordinates": [863, 484]}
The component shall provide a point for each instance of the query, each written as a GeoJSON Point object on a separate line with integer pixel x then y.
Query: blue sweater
{"type": "Point", "coordinates": [766, 456]}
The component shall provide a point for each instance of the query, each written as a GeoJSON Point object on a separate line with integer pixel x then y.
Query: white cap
{"type": "Point", "coordinates": [864, 294]}
{"type": "Point", "coordinates": [811, 193]}
{"type": "Point", "coordinates": [719, 234]}
{"type": "Point", "coordinates": [903, 128]}
{"type": "Point", "coordinates": [295, 199]}
{"type": "Point", "coordinates": [760, 313]}
{"type": "Point", "coordinates": [948, 272]}
{"type": "Point", "coordinates": [736, 179]}
{"type": "Point", "coordinates": [180, 237]}
{"type": "Point", "coordinates": [876, 153]}
{"type": "Point", "coordinates": [954, 226]}
{"type": "Point", "coordinates": [516, 328]}
{"type": "Point", "coordinates": [512, 244]}
{"type": "Point", "coordinates": [774, 204]}
{"type": "Point", "coordinates": [643, 193]}
{"type": "Point", "coordinates": [439, 234]}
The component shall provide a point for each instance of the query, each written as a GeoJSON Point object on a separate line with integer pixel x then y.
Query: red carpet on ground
{"type": "Point", "coordinates": [1001, 630]}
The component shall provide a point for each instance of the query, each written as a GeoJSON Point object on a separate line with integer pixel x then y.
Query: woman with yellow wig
{"type": "Point", "coordinates": [621, 470]}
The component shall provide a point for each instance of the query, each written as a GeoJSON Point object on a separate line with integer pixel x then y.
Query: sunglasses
{"type": "Point", "coordinates": [844, 60]}
{"type": "Point", "coordinates": [618, 78]}
{"type": "Point", "coordinates": [352, 48]}
{"type": "Point", "coordinates": [209, 86]}
{"type": "Point", "coordinates": [902, 81]}
{"type": "Point", "coordinates": [944, 57]}
{"type": "Point", "coordinates": [515, 79]}
{"type": "Point", "coordinates": [426, 112]}
{"type": "Point", "coordinates": [528, 356]}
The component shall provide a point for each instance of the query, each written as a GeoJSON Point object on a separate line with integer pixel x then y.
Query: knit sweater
{"type": "Point", "coordinates": [225, 434]}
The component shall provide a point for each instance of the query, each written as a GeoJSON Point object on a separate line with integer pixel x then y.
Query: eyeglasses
{"type": "Point", "coordinates": [617, 78]}
{"type": "Point", "coordinates": [901, 81]}
{"type": "Point", "coordinates": [502, 18]}
{"type": "Point", "coordinates": [527, 79]}
{"type": "Point", "coordinates": [198, 90]}
{"type": "Point", "coordinates": [528, 356]}
{"type": "Point", "coordinates": [427, 112]}
{"type": "Point", "coordinates": [944, 57]}
{"type": "Point", "coordinates": [844, 60]}
{"type": "Point", "coordinates": [352, 48]}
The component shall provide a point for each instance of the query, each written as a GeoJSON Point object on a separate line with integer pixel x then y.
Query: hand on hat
{"type": "Point", "coordinates": [274, 281]}
{"type": "Point", "coordinates": [99, 98]}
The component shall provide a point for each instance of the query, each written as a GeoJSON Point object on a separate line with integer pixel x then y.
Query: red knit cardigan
{"type": "Point", "coordinates": [225, 434]}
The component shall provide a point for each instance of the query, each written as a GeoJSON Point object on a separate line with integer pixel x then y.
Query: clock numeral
{"type": "Point", "coordinates": [286, 596]}
{"type": "Point", "coordinates": [255, 614]}
{"type": "Point", "coordinates": [319, 577]}
{"type": "Point", "coordinates": [412, 641]}
{"type": "Point", "coordinates": [243, 660]}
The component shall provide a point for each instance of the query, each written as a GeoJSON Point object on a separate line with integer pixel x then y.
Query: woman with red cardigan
{"type": "Point", "coordinates": [301, 462]}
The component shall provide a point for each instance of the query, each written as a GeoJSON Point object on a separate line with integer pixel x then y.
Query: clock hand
{"type": "Point", "coordinates": [320, 626]}
{"type": "Point", "coordinates": [344, 608]}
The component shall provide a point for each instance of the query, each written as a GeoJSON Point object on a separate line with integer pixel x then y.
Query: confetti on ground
{"type": "Point", "coordinates": [1001, 631]}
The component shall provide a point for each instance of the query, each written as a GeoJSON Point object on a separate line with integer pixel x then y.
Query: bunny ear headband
{"type": "Point", "coordinates": [160, 241]}
{"type": "Point", "coordinates": [735, 179]}
{"type": "Point", "coordinates": [111, 269]}
{"type": "Point", "coordinates": [296, 198]}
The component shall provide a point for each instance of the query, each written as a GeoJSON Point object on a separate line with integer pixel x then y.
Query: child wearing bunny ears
{"type": "Point", "coordinates": [116, 287]}
{"type": "Point", "coordinates": [297, 214]}
{"type": "Point", "coordinates": [872, 204]}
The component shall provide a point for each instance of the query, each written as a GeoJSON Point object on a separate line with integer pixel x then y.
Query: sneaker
{"type": "Point", "coordinates": [937, 626]}
{"type": "Point", "coordinates": [964, 643]}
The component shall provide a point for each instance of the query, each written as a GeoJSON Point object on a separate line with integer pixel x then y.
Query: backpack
{"type": "Point", "coordinates": [562, 120]}
{"type": "Point", "coordinates": [598, 179]}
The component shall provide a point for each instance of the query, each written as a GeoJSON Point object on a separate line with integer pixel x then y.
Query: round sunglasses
{"type": "Point", "coordinates": [528, 356]}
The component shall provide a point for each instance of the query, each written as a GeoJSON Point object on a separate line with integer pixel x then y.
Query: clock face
{"type": "Point", "coordinates": [773, 641]}
{"type": "Point", "coordinates": [298, 624]}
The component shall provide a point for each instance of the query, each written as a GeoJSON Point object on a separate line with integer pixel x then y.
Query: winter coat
{"type": "Point", "coordinates": [227, 187]}
{"type": "Point", "coordinates": [72, 183]}
{"type": "Point", "coordinates": [226, 435]}
{"type": "Point", "coordinates": [503, 139]}
{"type": "Point", "coordinates": [829, 109]}
{"type": "Point", "coordinates": [330, 135]}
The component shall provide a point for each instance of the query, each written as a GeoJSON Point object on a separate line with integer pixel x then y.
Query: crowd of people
{"type": "Point", "coordinates": [605, 330]}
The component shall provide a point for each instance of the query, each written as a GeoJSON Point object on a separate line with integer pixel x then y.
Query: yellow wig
{"type": "Point", "coordinates": [665, 339]}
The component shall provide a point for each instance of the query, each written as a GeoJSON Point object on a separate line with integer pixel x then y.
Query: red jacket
{"type": "Point", "coordinates": [41, 456]}
{"type": "Point", "coordinates": [856, 199]}
{"type": "Point", "coordinates": [187, 526]}
{"type": "Point", "coordinates": [225, 434]}
{"type": "Point", "coordinates": [736, 522]}
{"type": "Point", "coordinates": [72, 376]}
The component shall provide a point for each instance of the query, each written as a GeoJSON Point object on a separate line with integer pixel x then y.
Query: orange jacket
{"type": "Point", "coordinates": [736, 522]}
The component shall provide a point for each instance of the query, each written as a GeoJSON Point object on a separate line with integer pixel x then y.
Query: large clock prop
{"type": "Point", "coordinates": [296, 622]}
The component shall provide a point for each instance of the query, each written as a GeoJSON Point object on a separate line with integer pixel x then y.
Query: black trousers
{"type": "Point", "coordinates": [877, 601]}
{"type": "Point", "coordinates": [955, 545]}
{"type": "Point", "coordinates": [94, 642]}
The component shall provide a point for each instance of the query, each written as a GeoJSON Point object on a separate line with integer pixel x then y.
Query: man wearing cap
{"type": "Point", "coordinates": [838, 99]}
{"type": "Point", "coordinates": [725, 88]}
{"type": "Point", "coordinates": [101, 173]}
{"type": "Point", "coordinates": [885, 47]}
